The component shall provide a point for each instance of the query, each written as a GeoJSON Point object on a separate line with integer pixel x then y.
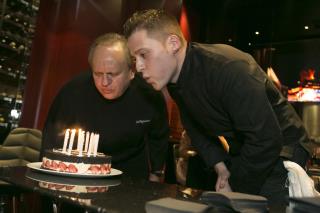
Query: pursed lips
{"type": "Point", "coordinates": [148, 79]}
{"type": "Point", "coordinates": [107, 91]}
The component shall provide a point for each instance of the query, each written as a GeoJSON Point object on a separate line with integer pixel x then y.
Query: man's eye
{"type": "Point", "coordinates": [98, 74]}
{"type": "Point", "coordinates": [143, 55]}
{"type": "Point", "coordinates": [113, 75]}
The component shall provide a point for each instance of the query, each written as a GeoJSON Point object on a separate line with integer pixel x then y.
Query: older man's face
{"type": "Point", "coordinates": [110, 69]}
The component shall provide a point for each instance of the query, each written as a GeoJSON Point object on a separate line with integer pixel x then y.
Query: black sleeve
{"type": "Point", "coordinates": [253, 118]}
{"type": "Point", "coordinates": [209, 149]}
{"type": "Point", "coordinates": [158, 136]}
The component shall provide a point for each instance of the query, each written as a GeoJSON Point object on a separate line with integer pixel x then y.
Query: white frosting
{"type": "Point", "coordinates": [81, 167]}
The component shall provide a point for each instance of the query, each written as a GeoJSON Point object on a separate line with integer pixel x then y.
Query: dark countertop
{"type": "Point", "coordinates": [115, 194]}
{"type": "Point", "coordinates": [112, 194]}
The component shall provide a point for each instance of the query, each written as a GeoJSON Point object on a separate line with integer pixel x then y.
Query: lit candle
{"type": "Point", "coordinates": [73, 132]}
{"type": "Point", "coordinates": [79, 138]}
{"type": "Point", "coordinates": [81, 141]}
{"type": "Point", "coordinates": [96, 141]}
{"type": "Point", "coordinates": [65, 141]}
{"type": "Point", "coordinates": [90, 149]}
{"type": "Point", "coordinates": [87, 142]}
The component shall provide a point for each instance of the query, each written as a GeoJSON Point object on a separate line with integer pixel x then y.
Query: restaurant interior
{"type": "Point", "coordinates": [44, 44]}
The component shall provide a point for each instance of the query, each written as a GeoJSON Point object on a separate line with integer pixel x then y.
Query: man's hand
{"type": "Point", "coordinates": [222, 184]}
{"type": "Point", "coordinates": [156, 177]}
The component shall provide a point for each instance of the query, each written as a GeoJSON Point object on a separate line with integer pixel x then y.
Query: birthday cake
{"type": "Point", "coordinates": [83, 160]}
{"type": "Point", "coordinates": [62, 162]}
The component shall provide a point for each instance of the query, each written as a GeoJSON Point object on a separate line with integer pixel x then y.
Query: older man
{"type": "Point", "coordinates": [130, 117]}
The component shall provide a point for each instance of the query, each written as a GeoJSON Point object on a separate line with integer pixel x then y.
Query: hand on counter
{"type": "Point", "coordinates": [156, 178]}
{"type": "Point", "coordinates": [222, 184]}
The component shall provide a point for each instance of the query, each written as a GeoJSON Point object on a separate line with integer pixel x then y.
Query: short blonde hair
{"type": "Point", "coordinates": [157, 23]}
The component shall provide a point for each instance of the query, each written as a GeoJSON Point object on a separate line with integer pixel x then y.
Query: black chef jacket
{"type": "Point", "coordinates": [222, 91]}
{"type": "Point", "coordinates": [127, 125]}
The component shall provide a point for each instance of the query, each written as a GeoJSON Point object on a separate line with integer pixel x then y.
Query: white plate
{"type": "Point", "coordinates": [37, 166]}
{"type": "Point", "coordinates": [71, 181]}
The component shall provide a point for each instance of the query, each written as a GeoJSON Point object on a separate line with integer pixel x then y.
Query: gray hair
{"type": "Point", "coordinates": [110, 39]}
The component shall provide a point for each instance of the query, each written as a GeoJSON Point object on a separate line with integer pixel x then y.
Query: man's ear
{"type": "Point", "coordinates": [132, 73]}
{"type": "Point", "coordinates": [173, 43]}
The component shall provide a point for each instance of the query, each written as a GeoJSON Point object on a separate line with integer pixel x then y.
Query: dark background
{"type": "Point", "coordinates": [65, 29]}
{"type": "Point", "coordinates": [283, 43]}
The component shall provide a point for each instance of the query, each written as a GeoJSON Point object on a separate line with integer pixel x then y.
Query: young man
{"type": "Point", "coordinates": [129, 115]}
{"type": "Point", "coordinates": [221, 91]}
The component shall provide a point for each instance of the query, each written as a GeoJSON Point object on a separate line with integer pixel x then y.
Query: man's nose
{"type": "Point", "coordinates": [106, 80]}
{"type": "Point", "coordinates": [139, 66]}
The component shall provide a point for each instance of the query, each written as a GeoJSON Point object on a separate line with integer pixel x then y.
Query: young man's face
{"type": "Point", "coordinates": [154, 58]}
{"type": "Point", "coordinates": [110, 71]}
